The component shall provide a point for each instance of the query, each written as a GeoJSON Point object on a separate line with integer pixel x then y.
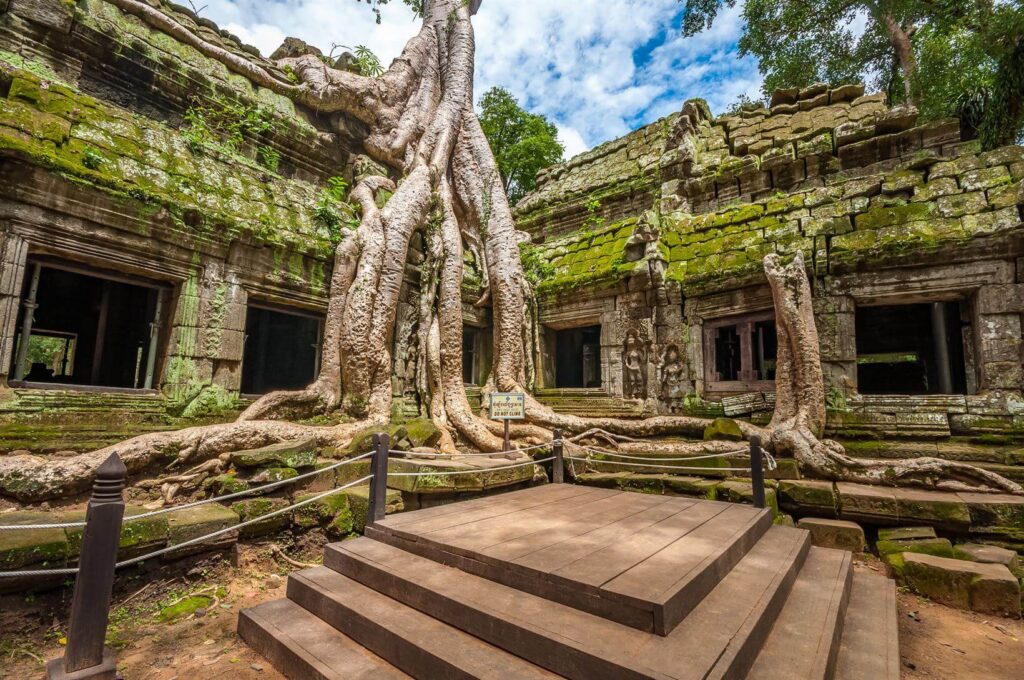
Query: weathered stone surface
{"type": "Point", "coordinates": [251, 508]}
{"type": "Point", "coordinates": [834, 533]}
{"type": "Point", "coordinates": [359, 504]}
{"type": "Point", "coordinates": [296, 454]}
{"type": "Point", "coordinates": [810, 496]}
{"type": "Point", "coordinates": [191, 523]}
{"type": "Point", "coordinates": [868, 503]}
{"type": "Point", "coordinates": [990, 554]}
{"type": "Point", "coordinates": [931, 507]}
{"type": "Point", "coordinates": [940, 547]}
{"type": "Point", "coordinates": [984, 588]}
{"type": "Point", "coordinates": [46, 548]}
{"type": "Point", "coordinates": [987, 509]}
{"type": "Point", "coordinates": [906, 533]}
{"type": "Point", "coordinates": [138, 536]}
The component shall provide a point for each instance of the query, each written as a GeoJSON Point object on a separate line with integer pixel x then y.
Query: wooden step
{"type": "Point", "coordinates": [420, 645]}
{"type": "Point", "coordinates": [869, 649]}
{"type": "Point", "coordinates": [303, 647]}
{"type": "Point", "coordinates": [641, 560]}
{"type": "Point", "coordinates": [719, 638]}
{"type": "Point", "coordinates": [804, 643]}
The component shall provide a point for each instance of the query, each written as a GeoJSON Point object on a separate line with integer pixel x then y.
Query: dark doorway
{"type": "Point", "coordinates": [578, 357]}
{"type": "Point", "coordinates": [281, 350]}
{"type": "Point", "coordinates": [910, 349]}
{"type": "Point", "coordinates": [86, 330]}
{"type": "Point", "coordinates": [471, 355]}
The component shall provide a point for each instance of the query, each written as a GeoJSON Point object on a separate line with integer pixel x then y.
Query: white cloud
{"type": "Point", "coordinates": [572, 140]}
{"type": "Point", "coordinates": [575, 61]}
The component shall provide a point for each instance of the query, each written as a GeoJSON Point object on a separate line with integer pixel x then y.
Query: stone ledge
{"type": "Point", "coordinates": [984, 588]}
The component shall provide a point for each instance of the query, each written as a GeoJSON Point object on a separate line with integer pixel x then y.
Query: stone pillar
{"type": "Point", "coordinates": [999, 342]}
{"type": "Point", "coordinates": [207, 335]}
{"type": "Point", "coordinates": [13, 254]}
{"type": "Point", "coordinates": [834, 317]}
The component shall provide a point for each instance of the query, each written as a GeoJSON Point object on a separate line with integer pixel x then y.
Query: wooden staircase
{"type": "Point", "coordinates": [577, 582]}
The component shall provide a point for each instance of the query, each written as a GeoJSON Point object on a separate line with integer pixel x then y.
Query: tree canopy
{"type": "Point", "coordinates": [948, 57]}
{"type": "Point", "coordinates": [523, 143]}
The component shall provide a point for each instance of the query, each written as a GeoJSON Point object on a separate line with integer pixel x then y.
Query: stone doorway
{"type": "Point", "coordinates": [911, 349]}
{"type": "Point", "coordinates": [282, 350]}
{"type": "Point", "coordinates": [577, 354]}
{"type": "Point", "coordinates": [86, 329]}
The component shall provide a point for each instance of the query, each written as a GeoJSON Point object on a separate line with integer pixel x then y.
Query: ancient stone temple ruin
{"type": "Point", "coordinates": [647, 260]}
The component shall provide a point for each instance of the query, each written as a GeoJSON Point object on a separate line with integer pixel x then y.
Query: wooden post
{"type": "Point", "coordinates": [757, 471]}
{"type": "Point", "coordinates": [509, 453]}
{"type": "Point", "coordinates": [558, 465]}
{"type": "Point", "coordinates": [85, 655]}
{"type": "Point", "coordinates": [379, 484]}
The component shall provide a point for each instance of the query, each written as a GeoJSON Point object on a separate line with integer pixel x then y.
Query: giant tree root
{"type": "Point", "coordinates": [800, 405]}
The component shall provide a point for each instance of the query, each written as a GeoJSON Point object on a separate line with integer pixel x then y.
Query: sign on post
{"type": "Point", "coordinates": [508, 406]}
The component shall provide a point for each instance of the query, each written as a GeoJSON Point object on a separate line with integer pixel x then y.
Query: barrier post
{"type": "Point", "coordinates": [558, 465]}
{"type": "Point", "coordinates": [85, 655]}
{"type": "Point", "coordinates": [379, 484]}
{"type": "Point", "coordinates": [757, 471]}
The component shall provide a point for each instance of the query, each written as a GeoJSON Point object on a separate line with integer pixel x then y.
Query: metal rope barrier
{"type": "Point", "coordinates": [724, 454]}
{"type": "Point", "coordinates": [193, 541]}
{"type": "Point", "coordinates": [661, 467]}
{"type": "Point", "coordinates": [206, 501]}
{"type": "Point", "coordinates": [471, 471]}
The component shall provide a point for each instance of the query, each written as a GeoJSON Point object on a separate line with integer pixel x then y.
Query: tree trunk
{"type": "Point", "coordinates": [899, 37]}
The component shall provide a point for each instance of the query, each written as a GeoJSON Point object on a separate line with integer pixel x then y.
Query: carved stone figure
{"type": "Point", "coordinates": [673, 375]}
{"type": "Point", "coordinates": [634, 364]}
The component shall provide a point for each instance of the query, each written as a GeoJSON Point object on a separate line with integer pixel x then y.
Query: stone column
{"type": "Point", "coordinates": [13, 254]}
{"type": "Point", "coordinates": [1000, 346]}
{"type": "Point", "coordinates": [834, 317]}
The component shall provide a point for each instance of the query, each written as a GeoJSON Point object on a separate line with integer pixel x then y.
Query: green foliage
{"type": "Point", "coordinates": [366, 62]}
{"type": "Point", "coordinates": [593, 219]}
{"type": "Point", "coordinates": [535, 265]}
{"type": "Point", "coordinates": [328, 213]}
{"type": "Point", "coordinates": [523, 143]}
{"type": "Point", "coordinates": [224, 124]}
{"type": "Point", "coordinates": [269, 157]}
{"type": "Point", "coordinates": [966, 57]}
{"type": "Point", "coordinates": [93, 159]}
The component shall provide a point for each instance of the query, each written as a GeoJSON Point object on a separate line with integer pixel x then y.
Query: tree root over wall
{"type": "Point", "coordinates": [444, 183]}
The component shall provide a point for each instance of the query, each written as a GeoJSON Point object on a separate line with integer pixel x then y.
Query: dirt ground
{"type": "Point", "coordinates": [935, 641]}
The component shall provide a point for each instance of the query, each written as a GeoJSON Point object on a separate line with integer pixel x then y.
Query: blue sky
{"type": "Point", "coordinates": [596, 68]}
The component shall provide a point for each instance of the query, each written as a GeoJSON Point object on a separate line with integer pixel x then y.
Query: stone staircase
{"type": "Point", "coordinates": [577, 582]}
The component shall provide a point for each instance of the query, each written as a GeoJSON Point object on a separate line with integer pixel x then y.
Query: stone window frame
{"type": "Point", "coordinates": [746, 383]}
{"type": "Point", "coordinates": [260, 303]}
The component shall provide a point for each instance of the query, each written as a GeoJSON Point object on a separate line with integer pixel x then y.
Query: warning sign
{"type": "Point", "coordinates": [508, 406]}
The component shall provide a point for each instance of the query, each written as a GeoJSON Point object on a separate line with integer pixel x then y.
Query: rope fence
{"type": "Point", "coordinates": [105, 519]}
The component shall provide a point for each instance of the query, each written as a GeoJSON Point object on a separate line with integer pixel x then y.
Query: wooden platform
{"type": "Point", "coordinates": [570, 581]}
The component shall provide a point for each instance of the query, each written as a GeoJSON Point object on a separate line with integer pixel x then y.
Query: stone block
{"type": "Point", "coordinates": [691, 486]}
{"type": "Point", "coordinates": [834, 533]}
{"type": "Point", "coordinates": [990, 554]}
{"type": "Point", "coordinates": [991, 509]}
{"type": "Point", "coordinates": [1001, 299]}
{"type": "Point", "coordinates": [359, 503]}
{"type": "Point", "coordinates": [932, 507]}
{"type": "Point", "coordinates": [869, 503]}
{"type": "Point", "coordinates": [808, 496]}
{"type": "Point", "coordinates": [742, 491]}
{"type": "Point", "coordinates": [984, 588]}
{"type": "Point", "coordinates": [191, 523]}
{"type": "Point", "coordinates": [36, 548]}
{"type": "Point", "coordinates": [293, 454]}
{"type": "Point", "coordinates": [252, 508]}
{"type": "Point", "coordinates": [331, 512]}
{"type": "Point", "coordinates": [906, 533]}
{"type": "Point", "coordinates": [138, 536]}
{"type": "Point", "coordinates": [939, 547]}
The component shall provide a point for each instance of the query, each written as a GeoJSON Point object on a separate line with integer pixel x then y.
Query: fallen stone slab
{"type": "Point", "coordinates": [293, 454]}
{"type": "Point", "coordinates": [906, 533]}
{"type": "Point", "coordinates": [940, 547]}
{"type": "Point", "coordinates": [138, 536]}
{"type": "Point", "coordinates": [990, 554]}
{"type": "Point", "coordinates": [834, 533]}
{"type": "Point", "coordinates": [185, 525]}
{"type": "Point", "coordinates": [251, 508]}
{"type": "Point", "coordinates": [983, 588]}
{"type": "Point", "coordinates": [36, 548]}
{"type": "Point", "coordinates": [333, 513]}
{"type": "Point", "coordinates": [993, 509]}
{"type": "Point", "coordinates": [807, 496]}
{"type": "Point", "coordinates": [936, 508]}
{"type": "Point", "coordinates": [872, 504]}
